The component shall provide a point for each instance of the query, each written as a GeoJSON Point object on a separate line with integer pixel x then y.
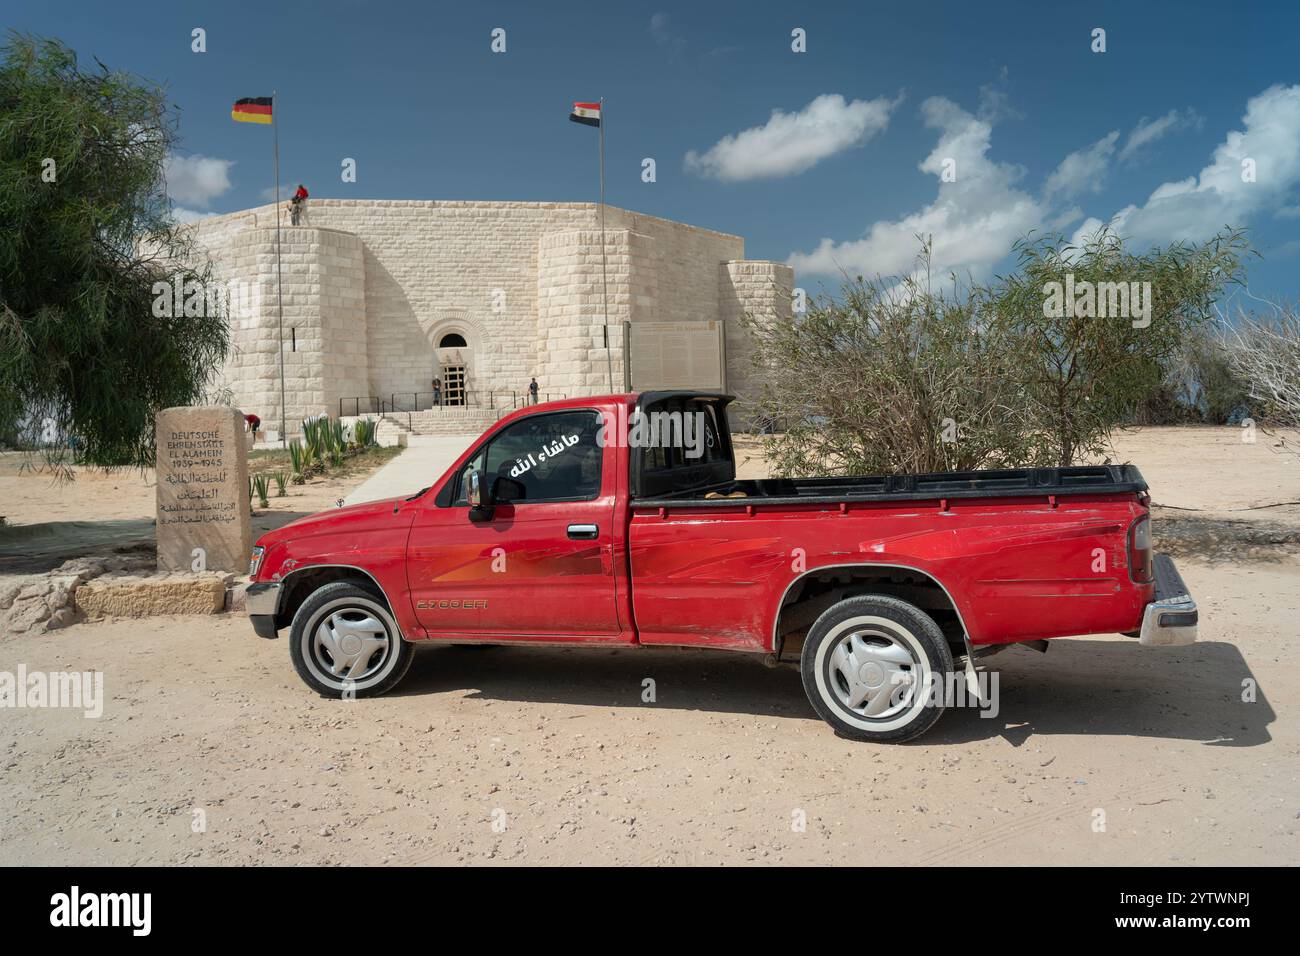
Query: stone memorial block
{"type": "Point", "coordinates": [202, 472]}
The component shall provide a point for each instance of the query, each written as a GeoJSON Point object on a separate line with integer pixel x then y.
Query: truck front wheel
{"type": "Point", "coordinates": [876, 668]}
{"type": "Point", "coordinates": [345, 643]}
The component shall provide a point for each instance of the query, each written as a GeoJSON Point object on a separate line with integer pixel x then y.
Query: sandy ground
{"type": "Point", "coordinates": [1103, 752]}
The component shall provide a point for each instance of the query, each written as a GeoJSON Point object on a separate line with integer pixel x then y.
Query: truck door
{"type": "Point", "coordinates": [542, 567]}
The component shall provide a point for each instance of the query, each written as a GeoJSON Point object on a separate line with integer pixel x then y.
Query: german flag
{"type": "Point", "coordinates": [252, 109]}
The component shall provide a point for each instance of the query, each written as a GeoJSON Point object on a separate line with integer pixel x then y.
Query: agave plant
{"type": "Point", "coordinates": [297, 458]}
{"type": "Point", "coordinates": [281, 481]}
{"type": "Point", "coordinates": [338, 438]}
{"type": "Point", "coordinates": [315, 448]}
{"type": "Point", "coordinates": [262, 485]}
{"type": "Point", "coordinates": [363, 432]}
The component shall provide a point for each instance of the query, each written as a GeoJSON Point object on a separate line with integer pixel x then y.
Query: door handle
{"type": "Point", "coordinates": [583, 532]}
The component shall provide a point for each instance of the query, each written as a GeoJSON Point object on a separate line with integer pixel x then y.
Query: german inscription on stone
{"type": "Point", "coordinates": [202, 471]}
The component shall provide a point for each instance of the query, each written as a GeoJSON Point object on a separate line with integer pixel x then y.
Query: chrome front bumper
{"type": "Point", "coordinates": [1171, 619]}
{"type": "Point", "coordinates": [262, 603]}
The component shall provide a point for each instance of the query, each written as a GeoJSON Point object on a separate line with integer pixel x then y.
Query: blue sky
{"type": "Point", "coordinates": [827, 159]}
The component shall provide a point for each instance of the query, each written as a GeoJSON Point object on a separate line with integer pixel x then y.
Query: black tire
{"type": "Point", "coordinates": [342, 618]}
{"type": "Point", "coordinates": [887, 629]}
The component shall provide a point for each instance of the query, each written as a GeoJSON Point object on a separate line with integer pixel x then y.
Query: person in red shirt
{"type": "Point", "coordinates": [295, 204]}
{"type": "Point", "coordinates": [253, 422]}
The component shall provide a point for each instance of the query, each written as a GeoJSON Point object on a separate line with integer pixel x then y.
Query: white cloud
{"type": "Point", "coordinates": [196, 180]}
{"type": "Point", "coordinates": [181, 214]}
{"type": "Point", "coordinates": [1197, 207]}
{"type": "Point", "coordinates": [1085, 232]}
{"type": "Point", "coordinates": [286, 191]}
{"type": "Point", "coordinates": [1083, 171]}
{"type": "Point", "coordinates": [791, 143]}
{"type": "Point", "coordinates": [1148, 131]}
{"type": "Point", "coordinates": [974, 221]}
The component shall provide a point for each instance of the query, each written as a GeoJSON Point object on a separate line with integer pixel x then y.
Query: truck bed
{"type": "Point", "coordinates": [985, 483]}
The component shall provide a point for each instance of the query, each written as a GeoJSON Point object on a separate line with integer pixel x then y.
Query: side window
{"type": "Point", "coordinates": [555, 456]}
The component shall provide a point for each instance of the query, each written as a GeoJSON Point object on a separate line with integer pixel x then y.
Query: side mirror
{"type": "Point", "coordinates": [479, 496]}
{"type": "Point", "coordinates": [508, 489]}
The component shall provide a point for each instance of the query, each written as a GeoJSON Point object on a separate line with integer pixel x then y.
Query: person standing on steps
{"type": "Point", "coordinates": [437, 392]}
{"type": "Point", "coordinates": [532, 391]}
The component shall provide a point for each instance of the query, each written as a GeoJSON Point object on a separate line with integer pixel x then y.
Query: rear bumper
{"type": "Point", "coordinates": [262, 601]}
{"type": "Point", "coordinates": [1171, 619]}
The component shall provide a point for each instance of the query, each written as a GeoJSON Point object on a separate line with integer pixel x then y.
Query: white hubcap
{"type": "Point", "coordinates": [351, 644]}
{"type": "Point", "coordinates": [872, 673]}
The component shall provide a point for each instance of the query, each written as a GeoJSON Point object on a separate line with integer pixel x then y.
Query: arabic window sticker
{"type": "Point", "coordinates": [547, 451]}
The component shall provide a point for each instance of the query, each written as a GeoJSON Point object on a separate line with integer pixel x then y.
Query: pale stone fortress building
{"type": "Point", "coordinates": [382, 296]}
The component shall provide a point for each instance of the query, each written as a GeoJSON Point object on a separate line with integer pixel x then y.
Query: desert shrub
{"type": "Point", "coordinates": [1084, 375]}
{"type": "Point", "coordinates": [899, 376]}
{"type": "Point", "coordinates": [890, 378]}
{"type": "Point", "coordinates": [1221, 396]}
{"type": "Point", "coordinates": [1264, 351]}
{"type": "Point", "coordinates": [1166, 404]}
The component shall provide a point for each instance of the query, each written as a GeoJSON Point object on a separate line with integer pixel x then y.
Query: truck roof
{"type": "Point", "coordinates": [629, 399]}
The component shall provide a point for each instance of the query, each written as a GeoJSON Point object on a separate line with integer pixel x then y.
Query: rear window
{"type": "Point", "coordinates": [686, 441]}
{"type": "Point", "coordinates": [679, 445]}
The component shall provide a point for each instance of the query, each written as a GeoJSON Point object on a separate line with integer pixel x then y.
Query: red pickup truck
{"type": "Point", "coordinates": [619, 520]}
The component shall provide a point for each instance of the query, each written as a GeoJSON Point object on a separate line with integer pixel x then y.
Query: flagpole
{"type": "Point", "coordinates": [604, 276]}
{"type": "Point", "coordinates": [279, 279]}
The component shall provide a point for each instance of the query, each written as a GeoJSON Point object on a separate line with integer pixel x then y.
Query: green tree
{"type": "Point", "coordinates": [891, 377]}
{"type": "Point", "coordinates": [1085, 372]}
{"type": "Point", "coordinates": [87, 232]}
{"type": "Point", "coordinates": [901, 377]}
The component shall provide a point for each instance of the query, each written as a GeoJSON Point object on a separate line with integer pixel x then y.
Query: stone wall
{"type": "Point", "coordinates": [338, 267]}
{"type": "Point", "coordinates": [385, 280]}
{"type": "Point", "coordinates": [571, 354]}
{"type": "Point", "coordinates": [758, 288]}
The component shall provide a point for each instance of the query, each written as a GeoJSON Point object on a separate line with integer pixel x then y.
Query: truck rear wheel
{"type": "Point", "coordinates": [345, 643]}
{"type": "Point", "coordinates": [876, 668]}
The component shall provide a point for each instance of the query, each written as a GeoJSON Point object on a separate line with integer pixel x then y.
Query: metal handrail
{"type": "Point", "coordinates": [397, 402]}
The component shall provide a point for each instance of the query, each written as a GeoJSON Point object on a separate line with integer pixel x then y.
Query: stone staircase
{"type": "Point", "coordinates": [463, 420]}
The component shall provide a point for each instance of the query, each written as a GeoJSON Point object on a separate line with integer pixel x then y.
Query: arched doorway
{"type": "Point", "coordinates": [453, 368]}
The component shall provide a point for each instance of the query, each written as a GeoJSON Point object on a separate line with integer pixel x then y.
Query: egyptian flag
{"type": "Point", "coordinates": [588, 114]}
{"type": "Point", "coordinates": [252, 109]}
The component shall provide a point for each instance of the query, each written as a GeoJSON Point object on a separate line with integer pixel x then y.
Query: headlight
{"type": "Point", "coordinates": [255, 560]}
